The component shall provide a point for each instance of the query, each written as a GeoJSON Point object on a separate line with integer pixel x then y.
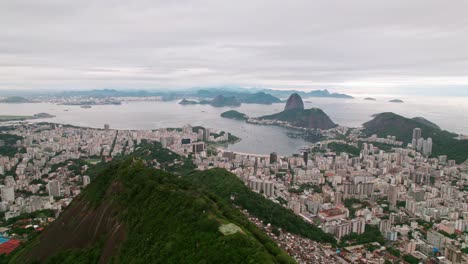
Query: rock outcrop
{"type": "Point", "coordinates": [309, 118]}
{"type": "Point", "coordinates": [294, 102]}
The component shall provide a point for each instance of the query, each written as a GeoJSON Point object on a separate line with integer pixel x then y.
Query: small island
{"type": "Point", "coordinates": [396, 101]}
{"type": "Point", "coordinates": [232, 114]}
{"type": "Point", "coordinates": [91, 101]}
{"type": "Point", "coordinates": [15, 100]}
{"type": "Point", "coordinates": [218, 101]}
{"type": "Point", "coordinates": [187, 102]}
{"type": "Point", "coordinates": [370, 99]}
{"type": "Point", "coordinates": [8, 118]}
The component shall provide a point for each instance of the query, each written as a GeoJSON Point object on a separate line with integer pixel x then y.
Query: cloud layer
{"type": "Point", "coordinates": [347, 45]}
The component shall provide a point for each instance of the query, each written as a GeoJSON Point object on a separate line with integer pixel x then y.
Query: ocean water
{"type": "Point", "coordinates": [450, 113]}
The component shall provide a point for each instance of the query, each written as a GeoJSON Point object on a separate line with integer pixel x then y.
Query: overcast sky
{"type": "Point", "coordinates": [375, 47]}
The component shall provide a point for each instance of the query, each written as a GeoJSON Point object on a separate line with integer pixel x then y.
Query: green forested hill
{"type": "Point", "coordinates": [131, 213]}
{"type": "Point", "coordinates": [233, 114]}
{"type": "Point", "coordinates": [443, 142]}
{"type": "Point", "coordinates": [227, 185]}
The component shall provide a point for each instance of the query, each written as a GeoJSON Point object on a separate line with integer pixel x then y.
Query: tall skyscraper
{"type": "Point", "coordinates": [427, 146]}
{"type": "Point", "coordinates": [338, 198]}
{"type": "Point", "coordinates": [358, 225]}
{"type": "Point", "coordinates": [436, 239]}
{"type": "Point", "coordinates": [454, 254]}
{"type": "Point", "coordinates": [393, 196]}
{"type": "Point", "coordinates": [416, 136]}
{"type": "Point", "coordinates": [420, 144]}
{"type": "Point", "coordinates": [273, 157]}
{"type": "Point", "coordinates": [207, 134]}
{"type": "Point", "coordinates": [305, 155]}
{"type": "Point", "coordinates": [384, 226]}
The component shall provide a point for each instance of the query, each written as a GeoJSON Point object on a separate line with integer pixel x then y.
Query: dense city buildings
{"type": "Point", "coordinates": [418, 204]}
{"type": "Point", "coordinates": [398, 198]}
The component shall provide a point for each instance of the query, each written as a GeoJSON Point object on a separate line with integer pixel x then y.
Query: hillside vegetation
{"type": "Point", "coordinates": [226, 185]}
{"type": "Point", "coordinates": [132, 213]}
{"type": "Point", "coordinates": [9, 148]}
{"type": "Point", "coordinates": [343, 147]}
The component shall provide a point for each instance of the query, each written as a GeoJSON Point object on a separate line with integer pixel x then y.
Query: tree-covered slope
{"type": "Point", "coordinates": [227, 185]}
{"type": "Point", "coordinates": [426, 122]}
{"type": "Point", "coordinates": [132, 213]}
{"type": "Point", "coordinates": [384, 124]}
{"type": "Point", "coordinates": [444, 142]}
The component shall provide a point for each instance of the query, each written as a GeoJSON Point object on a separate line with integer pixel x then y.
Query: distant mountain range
{"type": "Point", "coordinates": [112, 93]}
{"type": "Point", "coordinates": [242, 97]}
{"type": "Point", "coordinates": [315, 93]}
{"type": "Point", "coordinates": [232, 99]}
{"type": "Point", "coordinates": [221, 101]}
{"type": "Point", "coordinates": [243, 94]}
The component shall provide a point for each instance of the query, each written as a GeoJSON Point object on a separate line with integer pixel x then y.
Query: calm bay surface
{"type": "Point", "coordinates": [450, 113]}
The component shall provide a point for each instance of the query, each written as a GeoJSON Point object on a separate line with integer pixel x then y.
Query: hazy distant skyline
{"type": "Point", "coordinates": [354, 47]}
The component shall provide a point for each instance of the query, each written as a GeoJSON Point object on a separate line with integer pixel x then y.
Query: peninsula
{"type": "Point", "coordinates": [294, 115]}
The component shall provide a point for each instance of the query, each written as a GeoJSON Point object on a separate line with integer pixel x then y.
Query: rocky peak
{"type": "Point", "coordinates": [294, 102]}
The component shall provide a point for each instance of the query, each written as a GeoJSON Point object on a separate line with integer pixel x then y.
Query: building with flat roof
{"type": "Point", "coordinates": [54, 188]}
{"type": "Point", "coordinates": [333, 214]}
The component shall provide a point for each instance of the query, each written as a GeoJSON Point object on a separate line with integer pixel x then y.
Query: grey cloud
{"type": "Point", "coordinates": [349, 45]}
